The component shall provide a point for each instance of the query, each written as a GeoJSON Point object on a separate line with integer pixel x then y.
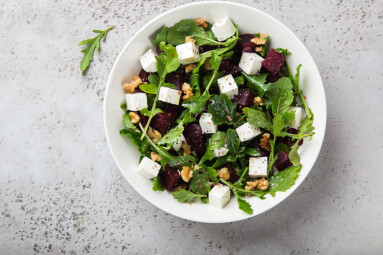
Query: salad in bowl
{"type": "Point", "coordinates": [214, 112]}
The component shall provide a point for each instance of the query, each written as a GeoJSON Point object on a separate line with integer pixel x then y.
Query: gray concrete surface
{"type": "Point", "coordinates": [61, 192]}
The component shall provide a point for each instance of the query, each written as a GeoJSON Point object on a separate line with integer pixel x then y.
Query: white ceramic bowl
{"type": "Point", "coordinates": [249, 20]}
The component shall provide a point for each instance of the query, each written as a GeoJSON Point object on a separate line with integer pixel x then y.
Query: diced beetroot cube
{"type": "Point", "coordinates": [291, 141]}
{"type": "Point", "coordinates": [283, 161]}
{"type": "Point", "coordinates": [170, 178]}
{"type": "Point", "coordinates": [163, 122]}
{"type": "Point", "coordinates": [144, 75]}
{"type": "Point", "coordinates": [245, 98]}
{"type": "Point", "coordinates": [225, 65]}
{"type": "Point", "coordinates": [177, 79]}
{"type": "Point", "coordinates": [143, 119]}
{"type": "Point", "coordinates": [255, 144]}
{"type": "Point", "coordinates": [235, 71]}
{"type": "Point", "coordinates": [194, 137]}
{"type": "Point", "coordinates": [229, 68]}
{"type": "Point", "coordinates": [273, 62]}
{"type": "Point", "coordinates": [233, 175]}
{"type": "Point", "coordinates": [205, 48]}
{"type": "Point", "coordinates": [272, 78]}
{"type": "Point", "coordinates": [245, 42]}
{"type": "Point", "coordinates": [247, 49]}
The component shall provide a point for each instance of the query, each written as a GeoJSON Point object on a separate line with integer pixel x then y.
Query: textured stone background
{"type": "Point", "coordinates": [61, 192]}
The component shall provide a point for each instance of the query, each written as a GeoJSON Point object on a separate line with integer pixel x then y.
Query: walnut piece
{"type": "Point", "coordinates": [155, 157]}
{"type": "Point", "coordinates": [265, 141]}
{"type": "Point", "coordinates": [186, 148]}
{"type": "Point", "coordinates": [258, 101]}
{"type": "Point", "coordinates": [224, 173]}
{"type": "Point", "coordinates": [258, 49]}
{"type": "Point", "coordinates": [134, 118]}
{"type": "Point", "coordinates": [130, 86]}
{"type": "Point", "coordinates": [186, 173]}
{"type": "Point", "coordinates": [207, 65]}
{"type": "Point", "coordinates": [251, 185]}
{"type": "Point", "coordinates": [202, 23]}
{"type": "Point", "coordinates": [263, 184]}
{"type": "Point", "coordinates": [155, 135]}
{"type": "Point", "coordinates": [187, 91]}
{"type": "Point", "coordinates": [259, 40]}
{"type": "Point", "coordinates": [189, 68]}
{"type": "Point", "coordinates": [189, 39]}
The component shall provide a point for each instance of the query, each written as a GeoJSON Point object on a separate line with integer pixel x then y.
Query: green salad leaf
{"type": "Point", "coordinates": [196, 104]}
{"type": "Point", "coordinates": [92, 45]}
{"type": "Point", "coordinates": [200, 183]}
{"type": "Point", "coordinates": [233, 141]}
{"type": "Point", "coordinates": [186, 196]}
{"type": "Point", "coordinates": [160, 37]}
{"type": "Point", "coordinates": [293, 154]}
{"type": "Point", "coordinates": [281, 95]}
{"type": "Point", "coordinates": [257, 83]}
{"type": "Point", "coordinates": [217, 140]}
{"type": "Point", "coordinates": [157, 184]}
{"type": "Point", "coordinates": [222, 109]}
{"type": "Point", "coordinates": [259, 119]}
{"type": "Point", "coordinates": [149, 88]}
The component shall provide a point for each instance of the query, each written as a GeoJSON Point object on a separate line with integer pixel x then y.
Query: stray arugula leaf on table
{"type": "Point", "coordinates": [93, 45]}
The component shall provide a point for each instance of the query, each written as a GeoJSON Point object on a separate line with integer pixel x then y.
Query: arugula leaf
{"type": "Point", "coordinates": [240, 80]}
{"type": "Point", "coordinates": [200, 183]}
{"type": "Point", "coordinates": [285, 52]}
{"type": "Point", "coordinates": [154, 79]}
{"type": "Point", "coordinates": [299, 91]}
{"type": "Point", "coordinates": [293, 155]}
{"type": "Point", "coordinates": [282, 147]}
{"type": "Point", "coordinates": [127, 123]}
{"type": "Point", "coordinates": [172, 62]}
{"type": "Point", "coordinates": [233, 141]}
{"type": "Point", "coordinates": [172, 136]}
{"type": "Point", "coordinates": [149, 88]}
{"type": "Point", "coordinates": [216, 142]}
{"type": "Point", "coordinates": [161, 36]}
{"type": "Point", "coordinates": [157, 184]}
{"type": "Point", "coordinates": [93, 45]}
{"type": "Point", "coordinates": [222, 109]}
{"type": "Point", "coordinates": [252, 152]}
{"type": "Point", "coordinates": [306, 126]}
{"type": "Point", "coordinates": [196, 104]}
{"type": "Point", "coordinates": [283, 180]}
{"type": "Point", "coordinates": [219, 162]}
{"type": "Point", "coordinates": [147, 113]}
{"type": "Point", "coordinates": [194, 83]}
{"type": "Point", "coordinates": [257, 83]}
{"type": "Point", "coordinates": [123, 106]}
{"type": "Point", "coordinates": [243, 204]}
{"type": "Point", "coordinates": [281, 95]}
{"type": "Point", "coordinates": [259, 119]}
{"type": "Point", "coordinates": [134, 136]}
{"type": "Point", "coordinates": [186, 196]}
{"type": "Point", "coordinates": [215, 60]}
{"type": "Point", "coordinates": [177, 33]}
{"type": "Point", "coordinates": [213, 174]}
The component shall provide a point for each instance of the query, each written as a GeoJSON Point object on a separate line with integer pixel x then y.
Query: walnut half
{"type": "Point", "coordinates": [186, 173]}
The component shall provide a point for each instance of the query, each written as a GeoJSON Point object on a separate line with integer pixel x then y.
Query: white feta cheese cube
{"type": "Point", "coordinates": [221, 151]}
{"type": "Point", "coordinates": [299, 113]}
{"type": "Point", "coordinates": [178, 144]}
{"type": "Point", "coordinates": [223, 29]}
{"type": "Point", "coordinates": [148, 168]}
{"type": "Point", "coordinates": [168, 95]}
{"type": "Point", "coordinates": [219, 195]}
{"type": "Point", "coordinates": [148, 61]}
{"type": "Point", "coordinates": [228, 86]}
{"type": "Point", "coordinates": [247, 132]}
{"type": "Point", "coordinates": [136, 102]}
{"type": "Point", "coordinates": [187, 53]}
{"type": "Point", "coordinates": [250, 63]}
{"type": "Point", "coordinates": [258, 167]}
{"type": "Point", "coordinates": [207, 124]}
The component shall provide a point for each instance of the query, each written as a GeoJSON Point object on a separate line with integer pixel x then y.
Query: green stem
{"type": "Point", "coordinates": [210, 82]}
{"type": "Point", "coordinates": [271, 158]}
{"type": "Point", "coordinates": [218, 43]}
{"type": "Point", "coordinates": [248, 192]}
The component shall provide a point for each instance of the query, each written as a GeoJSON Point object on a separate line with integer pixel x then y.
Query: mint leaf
{"type": "Point", "coordinates": [149, 88]}
{"type": "Point", "coordinates": [281, 95]}
{"type": "Point", "coordinates": [257, 83]}
{"type": "Point", "coordinates": [160, 37]}
{"type": "Point", "coordinates": [157, 184]}
{"type": "Point", "coordinates": [186, 196]}
{"type": "Point", "coordinates": [259, 119]}
{"type": "Point", "coordinates": [222, 109]}
{"type": "Point", "coordinates": [92, 45]}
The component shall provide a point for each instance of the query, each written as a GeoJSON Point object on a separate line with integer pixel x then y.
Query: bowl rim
{"type": "Point", "coordinates": [175, 9]}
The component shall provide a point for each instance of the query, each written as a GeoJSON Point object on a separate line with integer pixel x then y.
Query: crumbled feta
{"type": "Point", "coordinates": [149, 62]}
{"type": "Point", "coordinates": [258, 167]}
{"type": "Point", "coordinates": [219, 195]}
{"type": "Point", "coordinates": [223, 29]}
{"type": "Point", "coordinates": [178, 144]}
{"type": "Point", "coordinates": [250, 63]}
{"type": "Point", "coordinates": [228, 86]}
{"type": "Point", "coordinates": [247, 132]}
{"type": "Point", "coordinates": [299, 113]}
{"type": "Point", "coordinates": [168, 95]}
{"type": "Point", "coordinates": [207, 124]}
{"type": "Point", "coordinates": [148, 168]}
{"type": "Point", "coordinates": [136, 102]}
{"type": "Point", "coordinates": [187, 53]}
{"type": "Point", "coordinates": [221, 151]}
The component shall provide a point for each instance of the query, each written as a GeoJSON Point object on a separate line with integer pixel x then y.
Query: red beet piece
{"type": "Point", "coordinates": [205, 48]}
{"type": "Point", "coordinates": [170, 178]}
{"type": "Point", "coordinates": [272, 78]}
{"type": "Point", "coordinates": [291, 141]}
{"type": "Point", "coordinates": [244, 42]}
{"type": "Point", "coordinates": [245, 98]}
{"type": "Point", "coordinates": [163, 122]}
{"type": "Point", "coordinates": [255, 144]}
{"type": "Point", "coordinates": [144, 75]}
{"type": "Point", "coordinates": [143, 119]}
{"type": "Point", "coordinates": [233, 175]}
{"type": "Point", "coordinates": [283, 161]}
{"type": "Point", "coordinates": [177, 79]}
{"type": "Point", "coordinates": [273, 62]}
{"type": "Point", "coordinates": [194, 137]}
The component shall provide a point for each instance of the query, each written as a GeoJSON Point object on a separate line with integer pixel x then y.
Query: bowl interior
{"type": "Point", "coordinates": [249, 20]}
